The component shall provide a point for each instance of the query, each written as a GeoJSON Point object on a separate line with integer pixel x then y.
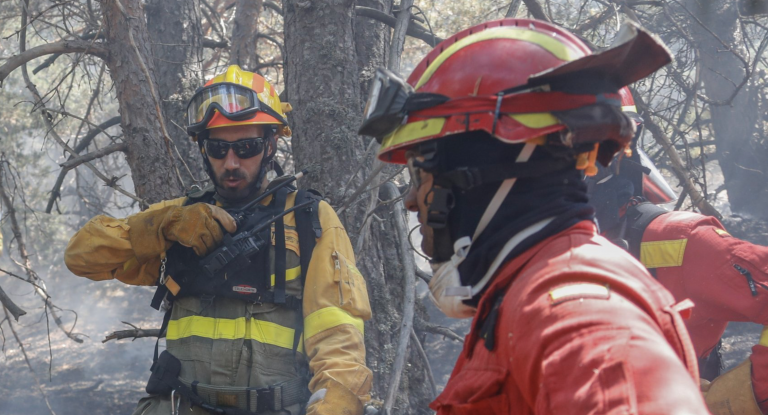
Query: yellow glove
{"type": "Point", "coordinates": [731, 393]}
{"type": "Point", "coordinates": [196, 226]}
{"type": "Point", "coordinates": [337, 400]}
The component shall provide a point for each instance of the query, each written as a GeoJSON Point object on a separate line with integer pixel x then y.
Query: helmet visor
{"type": "Point", "coordinates": [234, 101]}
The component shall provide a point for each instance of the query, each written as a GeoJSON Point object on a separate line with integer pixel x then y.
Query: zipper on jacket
{"type": "Point", "coordinates": [338, 269]}
{"type": "Point", "coordinates": [743, 271]}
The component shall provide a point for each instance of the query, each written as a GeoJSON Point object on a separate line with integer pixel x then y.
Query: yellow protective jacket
{"type": "Point", "coordinates": [230, 342]}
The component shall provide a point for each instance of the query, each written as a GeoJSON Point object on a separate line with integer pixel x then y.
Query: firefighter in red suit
{"type": "Point", "coordinates": [694, 257]}
{"type": "Point", "coordinates": [497, 126]}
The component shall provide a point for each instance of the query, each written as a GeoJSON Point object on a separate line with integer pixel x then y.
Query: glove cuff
{"type": "Point", "coordinates": [146, 233]}
{"type": "Point", "coordinates": [338, 399]}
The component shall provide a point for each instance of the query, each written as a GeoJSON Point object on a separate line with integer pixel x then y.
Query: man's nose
{"type": "Point", "coordinates": [231, 161]}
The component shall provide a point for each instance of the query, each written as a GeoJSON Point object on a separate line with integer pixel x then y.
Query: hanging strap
{"type": "Point", "coordinates": [280, 251]}
{"type": "Point", "coordinates": [163, 328]}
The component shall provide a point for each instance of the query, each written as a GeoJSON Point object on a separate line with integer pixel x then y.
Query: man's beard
{"type": "Point", "coordinates": [234, 194]}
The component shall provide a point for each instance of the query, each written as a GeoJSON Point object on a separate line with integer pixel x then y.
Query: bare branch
{"type": "Point", "coordinates": [423, 275]}
{"type": "Point", "coordinates": [135, 333]}
{"type": "Point", "coordinates": [29, 364]}
{"type": "Point", "coordinates": [697, 198]}
{"type": "Point", "coordinates": [439, 330]}
{"type": "Point", "coordinates": [274, 6]}
{"type": "Point", "coordinates": [514, 6]}
{"type": "Point", "coordinates": [428, 367]}
{"type": "Point", "coordinates": [409, 301]}
{"type": "Point", "coordinates": [15, 310]}
{"type": "Point", "coordinates": [536, 10]}
{"type": "Point", "coordinates": [214, 44]}
{"type": "Point", "coordinates": [65, 46]}
{"type": "Point", "coordinates": [414, 30]}
{"type": "Point", "coordinates": [72, 163]}
{"type": "Point", "coordinates": [32, 276]}
{"type": "Point", "coordinates": [82, 145]}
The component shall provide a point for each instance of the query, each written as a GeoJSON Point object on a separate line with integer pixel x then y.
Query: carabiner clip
{"type": "Point", "coordinates": [163, 277]}
{"type": "Point", "coordinates": [174, 403]}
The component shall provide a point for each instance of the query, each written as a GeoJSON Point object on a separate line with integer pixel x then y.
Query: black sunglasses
{"type": "Point", "coordinates": [244, 149]}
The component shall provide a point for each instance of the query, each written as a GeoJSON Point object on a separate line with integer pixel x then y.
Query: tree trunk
{"type": "Point", "coordinates": [177, 40]}
{"type": "Point", "coordinates": [132, 71]}
{"type": "Point", "coordinates": [371, 44]}
{"type": "Point", "coordinates": [742, 158]}
{"type": "Point", "coordinates": [245, 34]}
{"type": "Point", "coordinates": [323, 84]}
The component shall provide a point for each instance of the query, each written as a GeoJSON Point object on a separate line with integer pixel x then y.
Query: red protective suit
{"type": "Point", "coordinates": [694, 257]}
{"type": "Point", "coordinates": [582, 329]}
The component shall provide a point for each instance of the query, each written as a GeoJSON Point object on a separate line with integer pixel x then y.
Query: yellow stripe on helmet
{"type": "Point", "coordinates": [535, 120]}
{"type": "Point", "coordinates": [412, 131]}
{"type": "Point", "coordinates": [552, 45]}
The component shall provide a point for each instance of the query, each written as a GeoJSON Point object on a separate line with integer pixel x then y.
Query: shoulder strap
{"type": "Point", "coordinates": [638, 218]}
{"type": "Point", "coordinates": [280, 251]}
{"type": "Point", "coordinates": [308, 229]}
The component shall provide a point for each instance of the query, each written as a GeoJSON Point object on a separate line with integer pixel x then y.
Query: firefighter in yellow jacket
{"type": "Point", "coordinates": [259, 338]}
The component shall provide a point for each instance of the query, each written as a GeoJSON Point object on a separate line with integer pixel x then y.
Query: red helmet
{"type": "Point", "coordinates": [518, 80]}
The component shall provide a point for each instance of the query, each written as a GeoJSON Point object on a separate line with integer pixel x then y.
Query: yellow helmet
{"type": "Point", "coordinates": [236, 97]}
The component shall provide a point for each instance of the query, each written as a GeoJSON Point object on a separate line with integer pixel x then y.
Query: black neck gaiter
{"type": "Point", "coordinates": [561, 195]}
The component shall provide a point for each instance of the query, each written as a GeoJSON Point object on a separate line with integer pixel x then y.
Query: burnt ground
{"type": "Point", "coordinates": [89, 377]}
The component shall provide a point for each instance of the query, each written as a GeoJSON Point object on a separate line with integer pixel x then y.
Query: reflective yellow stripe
{"type": "Point", "coordinates": [329, 317]}
{"type": "Point", "coordinates": [584, 289]}
{"type": "Point", "coordinates": [551, 44]}
{"type": "Point", "coordinates": [629, 108]}
{"type": "Point", "coordinates": [412, 131]}
{"type": "Point", "coordinates": [536, 119]}
{"type": "Point", "coordinates": [230, 329]}
{"type": "Point", "coordinates": [663, 253]}
{"type": "Point", "coordinates": [290, 274]}
{"type": "Point", "coordinates": [764, 337]}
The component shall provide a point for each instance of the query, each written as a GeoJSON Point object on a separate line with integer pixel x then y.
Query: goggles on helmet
{"type": "Point", "coordinates": [235, 102]}
{"type": "Point", "coordinates": [385, 109]}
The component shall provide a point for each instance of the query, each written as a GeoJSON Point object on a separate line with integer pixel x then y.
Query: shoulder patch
{"type": "Point", "coordinates": [659, 254]}
{"type": "Point", "coordinates": [578, 291]}
{"type": "Point", "coordinates": [722, 233]}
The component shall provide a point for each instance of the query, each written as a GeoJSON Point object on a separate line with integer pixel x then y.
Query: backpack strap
{"type": "Point", "coordinates": [639, 216]}
{"type": "Point", "coordinates": [308, 229]}
{"type": "Point", "coordinates": [280, 251]}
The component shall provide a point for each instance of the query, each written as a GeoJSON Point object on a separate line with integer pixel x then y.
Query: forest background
{"type": "Point", "coordinates": [93, 112]}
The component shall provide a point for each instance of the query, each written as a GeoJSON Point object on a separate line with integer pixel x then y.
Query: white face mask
{"type": "Point", "coordinates": [445, 289]}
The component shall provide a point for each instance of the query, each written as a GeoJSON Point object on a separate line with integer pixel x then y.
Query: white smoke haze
{"type": "Point", "coordinates": [109, 378]}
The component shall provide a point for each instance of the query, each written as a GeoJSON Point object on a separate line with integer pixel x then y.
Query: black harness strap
{"type": "Point", "coordinates": [308, 229]}
{"type": "Point", "coordinates": [163, 328]}
{"type": "Point", "coordinates": [639, 216]}
{"type": "Point", "coordinates": [280, 251]}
